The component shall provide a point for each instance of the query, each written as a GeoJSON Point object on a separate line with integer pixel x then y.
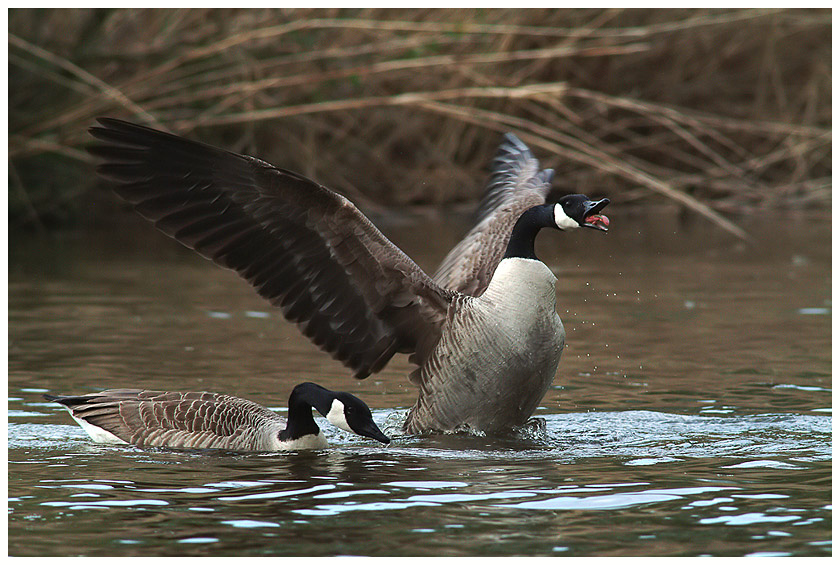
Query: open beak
{"type": "Point", "coordinates": [592, 219]}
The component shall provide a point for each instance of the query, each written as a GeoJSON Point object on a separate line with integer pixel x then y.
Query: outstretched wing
{"type": "Point", "coordinates": [303, 247]}
{"type": "Point", "coordinates": [516, 184]}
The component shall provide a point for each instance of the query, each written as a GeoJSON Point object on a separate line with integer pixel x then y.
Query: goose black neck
{"type": "Point", "coordinates": [529, 224]}
{"type": "Point", "coordinates": [303, 399]}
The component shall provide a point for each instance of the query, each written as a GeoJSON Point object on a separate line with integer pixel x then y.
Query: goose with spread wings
{"type": "Point", "coordinates": [484, 332]}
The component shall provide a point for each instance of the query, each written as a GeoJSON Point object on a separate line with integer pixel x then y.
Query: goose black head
{"type": "Point", "coordinates": [578, 211]}
{"type": "Point", "coordinates": [570, 212]}
{"type": "Point", "coordinates": [341, 409]}
{"type": "Point", "coordinates": [352, 415]}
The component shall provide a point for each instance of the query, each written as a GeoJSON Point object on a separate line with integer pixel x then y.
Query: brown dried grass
{"type": "Point", "coordinates": [718, 110]}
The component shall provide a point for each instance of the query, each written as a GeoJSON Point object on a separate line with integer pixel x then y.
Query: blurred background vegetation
{"type": "Point", "coordinates": [722, 112]}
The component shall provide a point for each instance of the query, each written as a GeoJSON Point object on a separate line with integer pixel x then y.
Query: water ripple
{"type": "Point", "coordinates": [277, 494]}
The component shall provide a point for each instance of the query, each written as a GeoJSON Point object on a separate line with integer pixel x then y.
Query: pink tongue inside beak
{"type": "Point", "coordinates": [598, 219]}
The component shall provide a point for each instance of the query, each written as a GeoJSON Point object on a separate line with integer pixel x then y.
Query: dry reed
{"type": "Point", "coordinates": [719, 111]}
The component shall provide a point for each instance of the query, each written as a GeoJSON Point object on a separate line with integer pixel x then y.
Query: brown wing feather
{"type": "Point", "coordinates": [142, 417]}
{"type": "Point", "coordinates": [303, 247]}
{"type": "Point", "coordinates": [516, 184]}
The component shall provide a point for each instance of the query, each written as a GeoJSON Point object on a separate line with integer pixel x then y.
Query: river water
{"type": "Point", "coordinates": [691, 413]}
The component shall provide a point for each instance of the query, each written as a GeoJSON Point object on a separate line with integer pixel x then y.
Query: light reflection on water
{"type": "Point", "coordinates": [709, 472]}
{"type": "Point", "coordinates": [691, 414]}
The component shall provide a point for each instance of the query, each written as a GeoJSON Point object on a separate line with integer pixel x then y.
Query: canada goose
{"type": "Point", "coordinates": [206, 420]}
{"type": "Point", "coordinates": [486, 351]}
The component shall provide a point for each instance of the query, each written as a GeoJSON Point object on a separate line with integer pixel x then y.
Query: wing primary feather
{"type": "Point", "coordinates": [303, 247]}
{"type": "Point", "coordinates": [516, 183]}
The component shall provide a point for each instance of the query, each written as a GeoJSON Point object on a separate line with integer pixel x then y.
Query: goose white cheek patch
{"type": "Point", "coordinates": [563, 221]}
{"type": "Point", "coordinates": [336, 416]}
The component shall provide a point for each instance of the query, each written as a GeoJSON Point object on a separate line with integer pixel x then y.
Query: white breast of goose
{"type": "Point", "coordinates": [306, 442]}
{"type": "Point", "coordinates": [521, 295]}
{"type": "Point", "coordinates": [507, 343]}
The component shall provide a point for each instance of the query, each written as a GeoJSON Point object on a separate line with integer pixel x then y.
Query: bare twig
{"type": "Point", "coordinates": [404, 99]}
{"type": "Point", "coordinates": [84, 76]}
{"type": "Point", "coordinates": [541, 138]}
{"type": "Point", "coordinates": [641, 103]}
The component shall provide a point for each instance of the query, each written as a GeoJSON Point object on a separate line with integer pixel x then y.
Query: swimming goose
{"type": "Point", "coordinates": [486, 353]}
{"type": "Point", "coordinates": [206, 420]}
